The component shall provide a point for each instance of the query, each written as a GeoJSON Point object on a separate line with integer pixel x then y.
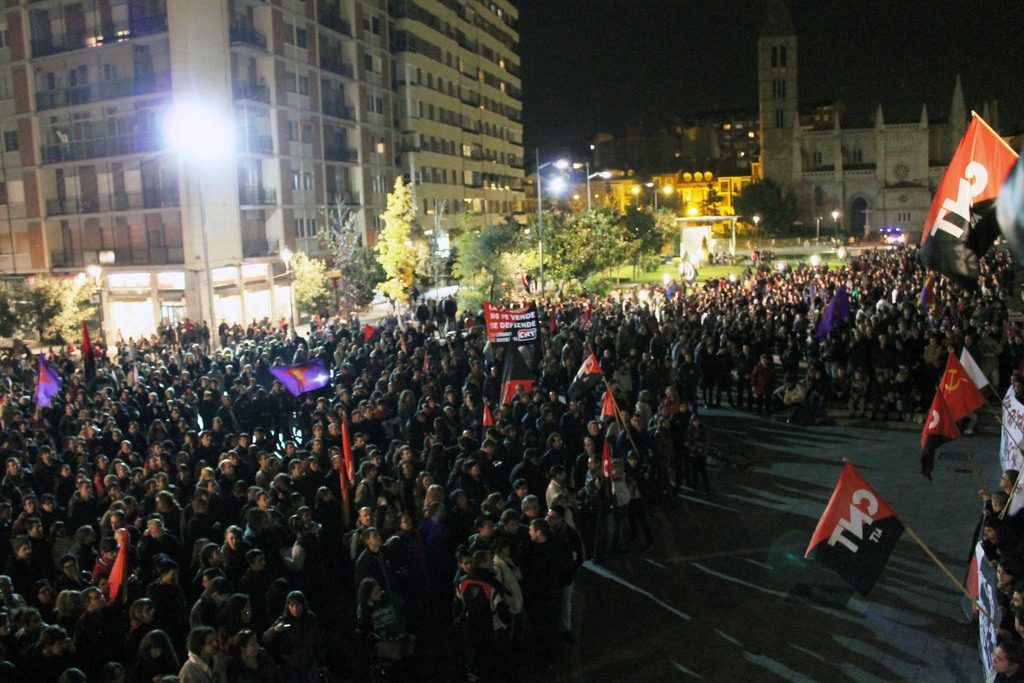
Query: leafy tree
{"type": "Point", "coordinates": [646, 236]}
{"type": "Point", "coordinates": [56, 307]}
{"type": "Point", "coordinates": [395, 249]}
{"type": "Point", "coordinates": [9, 314]}
{"type": "Point", "coordinates": [712, 204]}
{"type": "Point", "coordinates": [487, 260]}
{"type": "Point", "coordinates": [309, 284]}
{"type": "Point", "coordinates": [578, 245]}
{"type": "Point", "coordinates": [765, 198]}
{"type": "Point", "coordinates": [359, 271]}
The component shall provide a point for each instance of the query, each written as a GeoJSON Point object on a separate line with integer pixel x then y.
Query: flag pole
{"type": "Point", "coordinates": [945, 570]}
{"type": "Point", "coordinates": [618, 416]}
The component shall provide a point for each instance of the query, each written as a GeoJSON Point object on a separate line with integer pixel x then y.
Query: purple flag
{"type": "Point", "coordinates": [303, 377]}
{"type": "Point", "coordinates": [48, 384]}
{"type": "Point", "coordinates": [838, 308]}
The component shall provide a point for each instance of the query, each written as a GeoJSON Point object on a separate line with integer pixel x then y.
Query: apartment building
{"type": "Point", "coordinates": [458, 107]}
{"type": "Point", "coordinates": [89, 177]}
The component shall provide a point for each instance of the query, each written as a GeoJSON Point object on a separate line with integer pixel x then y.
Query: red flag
{"type": "Point", "coordinates": [116, 577]}
{"type": "Point", "coordinates": [586, 316]}
{"type": "Point", "coordinates": [552, 323]}
{"type": "Point", "coordinates": [587, 377]}
{"type": "Point", "coordinates": [426, 362]}
{"type": "Point", "coordinates": [857, 532]}
{"type": "Point", "coordinates": [939, 428]}
{"type": "Point", "coordinates": [514, 375]}
{"type": "Point", "coordinates": [401, 343]}
{"type": "Point", "coordinates": [488, 418]}
{"type": "Point", "coordinates": [368, 333]}
{"type": "Point", "coordinates": [606, 464]}
{"type": "Point", "coordinates": [346, 448]}
{"type": "Point", "coordinates": [608, 405]}
{"type": "Point", "coordinates": [88, 358]}
{"type": "Point", "coordinates": [959, 391]}
{"type": "Point", "coordinates": [975, 173]}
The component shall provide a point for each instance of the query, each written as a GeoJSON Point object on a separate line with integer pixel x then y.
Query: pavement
{"type": "Point", "coordinates": [726, 594]}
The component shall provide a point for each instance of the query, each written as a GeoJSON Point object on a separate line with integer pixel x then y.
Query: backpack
{"type": "Point", "coordinates": [477, 603]}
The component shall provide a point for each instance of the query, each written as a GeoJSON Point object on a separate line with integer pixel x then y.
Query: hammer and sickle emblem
{"type": "Point", "coordinates": [934, 421]}
{"type": "Point", "coordinates": [952, 381]}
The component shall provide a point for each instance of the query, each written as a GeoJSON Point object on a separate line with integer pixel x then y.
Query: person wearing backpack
{"type": "Point", "coordinates": [480, 615]}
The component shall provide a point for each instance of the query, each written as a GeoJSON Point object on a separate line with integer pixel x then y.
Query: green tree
{"type": "Point", "coordinates": [396, 251]}
{"type": "Point", "coordinates": [56, 307]}
{"type": "Point", "coordinates": [359, 271]}
{"type": "Point", "coordinates": [646, 236]}
{"type": "Point", "coordinates": [712, 204]}
{"type": "Point", "coordinates": [487, 261]}
{"type": "Point", "coordinates": [578, 245]}
{"type": "Point", "coordinates": [309, 285]}
{"type": "Point", "coordinates": [766, 199]}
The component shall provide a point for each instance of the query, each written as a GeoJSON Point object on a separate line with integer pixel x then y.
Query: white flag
{"type": "Point", "coordinates": [975, 373]}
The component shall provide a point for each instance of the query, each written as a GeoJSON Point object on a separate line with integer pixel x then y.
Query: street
{"type": "Point", "coordinates": [727, 596]}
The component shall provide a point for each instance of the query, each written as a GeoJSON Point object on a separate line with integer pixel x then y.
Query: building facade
{"type": "Point", "coordinates": [881, 173]}
{"type": "Point", "coordinates": [458, 108]}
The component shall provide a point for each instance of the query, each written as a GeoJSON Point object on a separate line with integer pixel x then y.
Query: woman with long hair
{"type": "Point", "coordinates": [250, 663]}
{"type": "Point", "coordinates": [295, 637]}
{"type": "Point", "coordinates": [155, 659]}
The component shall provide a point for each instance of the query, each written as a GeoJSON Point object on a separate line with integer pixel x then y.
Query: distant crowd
{"type": "Point", "coordinates": [454, 542]}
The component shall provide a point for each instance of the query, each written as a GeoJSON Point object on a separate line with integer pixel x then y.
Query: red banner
{"type": "Point", "coordinates": [510, 325]}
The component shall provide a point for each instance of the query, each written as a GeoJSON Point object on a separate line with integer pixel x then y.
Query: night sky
{"type": "Point", "coordinates": [600, 65]}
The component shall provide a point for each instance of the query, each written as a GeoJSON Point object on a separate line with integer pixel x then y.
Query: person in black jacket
{"type": "Point", "coordinates": [575, 555]}
{"type": "Point", "coordinates": [371, 563]}
{"type": "Point", "coordinates": [543, 574]}
{"type": "Point", "coordinates": [295, 639]}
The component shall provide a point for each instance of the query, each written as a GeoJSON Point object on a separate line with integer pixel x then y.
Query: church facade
{"type": "Point", "coordinates": [876, 175]}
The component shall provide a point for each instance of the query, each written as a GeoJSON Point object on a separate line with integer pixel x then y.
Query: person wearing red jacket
{"type": "Point", "coordinates": [762, 381]}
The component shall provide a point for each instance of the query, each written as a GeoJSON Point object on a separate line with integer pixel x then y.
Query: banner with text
{"type": "Point", "coordinates": [988, 598]}
{"type": "Point", "coordinates": [1010, 457]}
{"type": "Point", "coordinates": [510, 325]}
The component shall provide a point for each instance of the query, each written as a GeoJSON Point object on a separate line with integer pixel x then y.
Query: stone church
{"type": "Point", "coordinates": [879, 173]}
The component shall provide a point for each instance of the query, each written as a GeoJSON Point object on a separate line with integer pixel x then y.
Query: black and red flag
{"type": "Point", "coordinates": [857, 533]}
{"type": "Point", "coordinates": [939, 427]}
{"type": "Point", "coordinates": [488, 420]}
{"type": "Point", "coordinates": [515, 374]}
{"type": "Point", "coordinates": [88, 357]}
{"type": "Point", "coordinates": [608, 405]}
{"type": "Point", "coordinates": [368, 333]}
{"type": "Point", "coordinates": [587, 377]}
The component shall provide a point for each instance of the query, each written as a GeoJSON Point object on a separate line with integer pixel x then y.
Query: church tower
{"type": "Point", "coordinates": [777, 95]}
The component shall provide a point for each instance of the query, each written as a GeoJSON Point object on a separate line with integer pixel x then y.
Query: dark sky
{"type": "Point", "coordinates": [599, 65]}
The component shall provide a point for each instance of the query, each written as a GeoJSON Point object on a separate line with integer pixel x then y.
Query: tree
{"type": "Point", "coordinates": [56, 307]}
{"type": "Point", "coordinates": [358, 269]}
{"type": "Point", "coordinates": [9, 313]}
{"type": "Point", "coordinates": [395, 249]}
{"type": "Point", "coordinates": [712, 204]}
{"type": "Point", "coordinates": [487, 260]}
{"type": "Point", "coordinates": [765, 199]}
{"type": "Point", "coordinates": [578, 245]}
{"type": "Point", "coordinates": [646, 235]}
{"type": "Point", "coordinates": [309, 284]}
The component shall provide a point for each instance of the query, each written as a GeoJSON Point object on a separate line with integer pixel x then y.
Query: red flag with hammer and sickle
{"type": "Point", "coordinates": [958, 390]}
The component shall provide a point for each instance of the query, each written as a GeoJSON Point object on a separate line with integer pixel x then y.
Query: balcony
{"type": "Point", "coordinates": [132, 201]}
{"type": "Point", "coordinates": [256, 196]}
{"type": "Point", "coordinates": [104, 90]}
{"type": "Point", "coordinates": [332, 62]}
{"type": "Point", "coordinates": [337, 110]}
{"type": "Point", "coordinates": [100, 147]}
{"type": "Point", "coordinates": [340, 153]}
{"type": "Point", "coordinates": [343, 199]}
{"type": "Point", "coordinates": [251, 90]}
{"type": "Point", "coordinates": [255, 144]}
{"type": "Point", "coordinates": [255, 247]}
{"type": "Point", "coordinates": [329, 18]}
{"type": "Point", "coordinates": [66, 42]}
{"type": "Point", "coordinates": [241, 34]}
{"type": "Point", "coordinates": [140, 255]}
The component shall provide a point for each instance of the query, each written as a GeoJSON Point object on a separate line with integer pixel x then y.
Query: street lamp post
{"type": "Point", "coordinates": [817, 228]}
{"type": "Point", "coordinates": [560, 163]}
{"type": "Point", "coordinates": [757, 235]}
{"type": "Point", "coordinates": [835, 221]}
{"type": "Point", "coordinates": [200, 136]}
{"type": "Point", "coordinates": [654, 191]}
{"type": "Point", "coordinates": [286, 256]}
{"type": "Point", "coordinates": [601, 174]}
{"type": "Point", "coordinates": [96, 273]}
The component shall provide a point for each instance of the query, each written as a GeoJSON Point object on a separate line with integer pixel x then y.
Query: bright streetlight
{"type": "Point", "coordinates": [559, 164]}
{"type": "Point", "coordinates": [835, 221]}
{"type": "Point", "coordinates": [286, 256]}
{"type": "Point", "coordinates": [557, 185]}
{"type": "Point", "coordinates": [599, 174]}
{"type": "Point", "coordinates": [757, 219]}
{"type": "Point", "coordinates": [200, 136]}
{"type": "Point", "coordinates": [692, 211]}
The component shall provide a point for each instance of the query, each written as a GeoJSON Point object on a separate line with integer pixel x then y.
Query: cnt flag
{"type": "Point", "coordinates": [587, 377]}
{"type": "Point", "coordinates": [959, 391]}
{"type": "Point", "coordinates": [515, 374]}
{"type": "Point", "coordinates": [117, 571]}
{"type": "Point", "coordinates": [857, 533]}
{"type": "Point", "coordinates": [368, 333]}
{"type": "Point", "coordinates": [303, 377]}
{"type": "Point", "coordinates": [939, 428]}
{"type": "Point", "coordinates": [961, 223]}
{"type": "Point", "coordinates": [88, 356]}
{"type": "Point", "coordinates": [606, 464]}
{"type": "Point", "coordinates": [48, 383]}
{"type": "Point", "coordinates": [608, 405]}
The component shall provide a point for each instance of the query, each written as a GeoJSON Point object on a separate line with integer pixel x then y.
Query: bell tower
{"type": "Point", "coordinates": [777, 96]}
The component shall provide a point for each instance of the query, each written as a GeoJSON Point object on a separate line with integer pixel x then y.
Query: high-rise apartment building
{"type": "Point", "coordinates": [458, 106]}
{"type": "Point", "coordinates": [88, 177]}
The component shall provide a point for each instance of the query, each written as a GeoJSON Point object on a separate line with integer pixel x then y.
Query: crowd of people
{"type": "Point", "coordinates": [250, 557]}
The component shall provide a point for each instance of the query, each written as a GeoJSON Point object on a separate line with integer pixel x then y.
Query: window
{"type": "Point", "coordinates": [300, 37]}
{"type": "Point", "coordinates": [300, 227]}
{"type": "Point", "coordinates": [779, 120]}
{"type": "Point", "coordinates": [817, 158]}
{"type": "Point", "coordinates": [289, 34]}
{"type": "Point", "coordinates": [857, 156]}
{"type": "Point", "coordinates": [3, 193]}
{"type": "Point", "coordinates": [368, 62]}
{"type": "Point", "coordinates": [380, 146]}
{"type": "Point", "coordinates": [5, 38]}
{"type": "Point", "coordinates": [11, 140]}
{"type": "Point", "coordinates": [307, 132]}
{"type": "Point", "coordinates": [293, 131]}
{"type": "Point", "coordinates": [296, 180]}
{"type": "Point", "coordinates": [289, 81]}
{"type": "Point", "coordinates": [782, 56]}
{"type": "Point", "coordinates": [376, 25]}
{"type": "Point", "coordinates": [307, 181]}
{"type": "Point", "coordinates": [303, 85]}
